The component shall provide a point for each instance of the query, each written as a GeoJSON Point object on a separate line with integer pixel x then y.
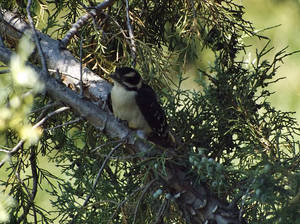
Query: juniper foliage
{"type": "Point", "coordinates": [239, 145]}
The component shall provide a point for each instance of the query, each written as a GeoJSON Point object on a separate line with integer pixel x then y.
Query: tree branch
{"type": "Point", "coordinates": [36, 38]}
{"type": "Point", "coordinates": [84, 19]}
{"type": "Point", "coordinates": [43, 120]}
{"type": "Point", "coordinates": [198, 204]}
{"type": "Point", "coordinates": [12, 28]}
{"type": "Point", "coordinates": [131, 36]}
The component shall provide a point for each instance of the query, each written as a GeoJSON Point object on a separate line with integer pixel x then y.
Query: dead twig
{"type": "Point", "coordinates": [21, 142]}
{"type": "Point", "coordinates": [12, 152]}
{"type": "Point", "coordinates": [131, 36]}
{"type": "Point", "coordinates": [105, 144]}
{"type": "Point", "coordinates": [84, 19]}
{"type": "Point", "coordinates": [60, 110]}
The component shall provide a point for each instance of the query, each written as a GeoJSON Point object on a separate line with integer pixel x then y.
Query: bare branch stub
{"type": "Point", "coordinates": [83, 20]}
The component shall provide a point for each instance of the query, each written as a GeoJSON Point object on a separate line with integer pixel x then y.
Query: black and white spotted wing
{"type": "Point", "coordinates": [147, 101]}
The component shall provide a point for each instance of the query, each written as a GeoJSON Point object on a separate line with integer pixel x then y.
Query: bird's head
{"type": "Point", "coordinates": [127, 77]}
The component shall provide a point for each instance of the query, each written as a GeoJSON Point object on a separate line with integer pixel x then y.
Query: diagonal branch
{"type": "Point", "coordinates": [11, 27]}
{"type": "Point", "coordinates": [38, 124]}
{"type": "Point", "coordinates": [84, 19]}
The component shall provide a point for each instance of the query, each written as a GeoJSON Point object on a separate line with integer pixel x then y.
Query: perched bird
{"type": "Point", "coordinates": [135, 102]}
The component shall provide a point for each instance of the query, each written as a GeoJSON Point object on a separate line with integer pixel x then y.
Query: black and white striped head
{"type": "Point", "coordinates": [128, 78]}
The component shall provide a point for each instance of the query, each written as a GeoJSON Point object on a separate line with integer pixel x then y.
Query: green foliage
{"type": "Point", "coordinates": [244, 149]}
{"type": "Point", "coordinates": [251, 146]}
{"type": "Point", "coordinates": [17, 89]}
{"type": "Point", "coordinates": [15, 103]}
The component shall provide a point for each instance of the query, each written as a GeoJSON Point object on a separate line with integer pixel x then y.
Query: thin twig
{"type": "Point", "coordinates": [131, 36]}
{"type": "Point", "coordinates": [45, 107]}
{"type": "Point", "coordinates": [21, 142]}
{"type": "Point", "coordinates": [32, 160]}
{"type": "Point", "coordinates": [161, 211]}
{"type": "Point", "coordinates": [36, 38]}
{"type": "Point", "coordinates": [4, 71]}
{"type": "Point", "coordinates": [64, 124]}
{"type": "Point", "coordinates": [121, 158]}
{"type": "Point", "coordinates": [31, 198]}
{"type": "Point", "coordinates": [105, 144]}
{"type": "Point", "coordinates": [4, 150]}
{"type": "Point", "coordinates": [12, 152]}
{"type": "Point", "coordinates": [123, 202]}
{"type": "Point", "coordinates": [101, 169]}
{"type": "Point", "coordinates": [127, 38]}
{"type": "Point", "coordinates": [1, 42]}
{"type": "Point", "coordinates": [193, 6]}
{"type": "Point", "coordinates": [80, 55]}
{"type": "Point", "coordinates": [98, 177]}
{"type": "Point", "coordinates": [60, 110]}
{"type": "Point", "coordinates": [141, 198]}
{"type": "Point", "coordinates": [84, 19]}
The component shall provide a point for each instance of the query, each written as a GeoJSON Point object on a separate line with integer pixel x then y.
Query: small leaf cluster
{"type": "Point", "coordinates": [208, 170]}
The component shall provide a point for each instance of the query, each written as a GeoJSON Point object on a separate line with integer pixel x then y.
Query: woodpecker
{"type": "Point", "coordinates": [136, 102]}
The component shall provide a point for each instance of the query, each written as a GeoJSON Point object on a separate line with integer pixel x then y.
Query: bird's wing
{"type": "Point", "coordinates": [152, 111]}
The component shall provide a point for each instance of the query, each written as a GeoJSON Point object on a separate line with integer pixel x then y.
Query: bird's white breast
{"type": "Point", "coordinates": [125, 108]}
